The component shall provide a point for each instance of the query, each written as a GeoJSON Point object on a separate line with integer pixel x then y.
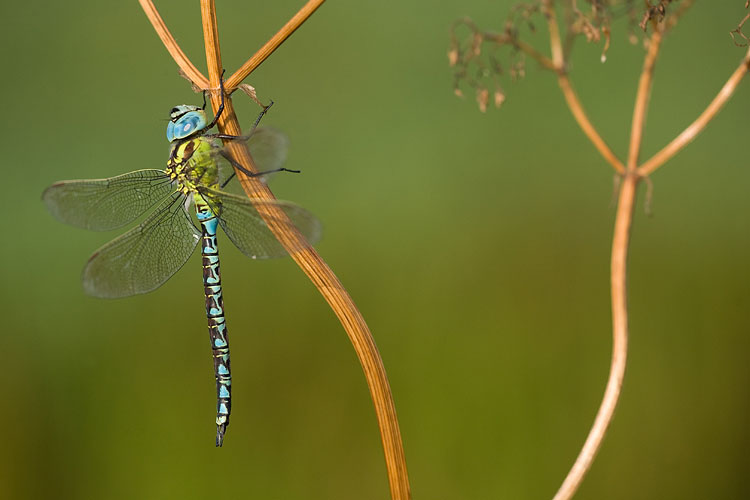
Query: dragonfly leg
{"type": "Point", "coordinates": [226, 136]}
{"type": "Point", "coordinates": [239, 137]}
{"type": "Point", "coordinates": [260, 116]}
{"type": "Point", "coordinates": [255, 174]}
{"type": "Point", "coordinates": [224, 184]}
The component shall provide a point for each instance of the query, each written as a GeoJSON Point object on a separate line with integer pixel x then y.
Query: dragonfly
{"type": "Point", "coordinates": [146, 256]}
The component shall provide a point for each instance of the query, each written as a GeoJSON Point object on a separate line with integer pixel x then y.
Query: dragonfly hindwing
{"type": "Point", "coordinates": [146, 256]}
{"type": "Point", "coordinates": [241, 220]}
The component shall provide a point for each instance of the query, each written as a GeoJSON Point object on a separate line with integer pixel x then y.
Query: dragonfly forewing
{"type": "Point", "coordinates": [103, 204]}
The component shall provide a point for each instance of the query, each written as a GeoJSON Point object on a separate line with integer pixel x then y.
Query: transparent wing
{"type": "Point", "coordinates": [146, 256]}
{"type": "Point", "coordinates": [103, 204]}
{"type": "Point", "coordinates": [267, 146]}
{"type": "Point", "coordinates": [250, 232]}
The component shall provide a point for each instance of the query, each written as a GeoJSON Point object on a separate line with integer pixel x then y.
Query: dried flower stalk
{"type": "Point", "coordinates": [661, 20]}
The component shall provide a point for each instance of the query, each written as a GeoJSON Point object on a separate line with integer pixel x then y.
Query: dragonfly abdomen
{"type": "Point", "coordinates": [217, 328]}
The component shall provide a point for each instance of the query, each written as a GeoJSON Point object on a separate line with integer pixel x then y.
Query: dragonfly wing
{"type": "Point", "coordinates": [145, 257]}
{"type": "Point", "coordinates": [268, 148]}
{"type": "Point", "coordinates": [103, 204]}
{"type": "Point", "coordinates": [240, 218]}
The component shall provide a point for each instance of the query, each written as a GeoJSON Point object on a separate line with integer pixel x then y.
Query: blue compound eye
{"type": "Point", "coordinates": [185, 124]}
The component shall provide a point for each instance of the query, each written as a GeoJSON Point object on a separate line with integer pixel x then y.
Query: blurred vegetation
{"type": "Point", "coordinates": [476, 245]}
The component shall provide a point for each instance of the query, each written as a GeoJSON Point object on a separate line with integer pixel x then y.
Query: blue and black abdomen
{"type": "Point", "coordinates": [217, 328]}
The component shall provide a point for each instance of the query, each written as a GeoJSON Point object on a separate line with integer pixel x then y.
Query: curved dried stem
{"type": "Point", "coordinates": [618, 278]}
{"type": "Point", "coordinates": [314, 266]}
{"type": "Point", "coordinates": [571, 98]}
{"type": "Point", "coordinates": [695, 128]}
{"type": "Point", "coordinates": [272, 44]}
{"type": "Point", "coordinates": [187, 67]}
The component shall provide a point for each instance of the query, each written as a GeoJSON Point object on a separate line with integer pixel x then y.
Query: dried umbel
{"type": "Point", "coordinates": [482, 58]}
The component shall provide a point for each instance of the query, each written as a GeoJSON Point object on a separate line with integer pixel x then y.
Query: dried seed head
{"type": "Point", "coordinates": [483, 98]}
{"type": "Point", "coordinates": [453, 56]}
{"type": "Point", "coordinates": [499, 97]}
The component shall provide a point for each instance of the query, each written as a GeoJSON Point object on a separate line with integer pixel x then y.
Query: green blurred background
{"type": "Point", "coordinates": [476, 246]}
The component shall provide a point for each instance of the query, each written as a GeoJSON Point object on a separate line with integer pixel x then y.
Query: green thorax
{"type": "Point", "coordinates": [192, 165]}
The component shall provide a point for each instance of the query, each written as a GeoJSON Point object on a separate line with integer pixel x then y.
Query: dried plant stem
{"type": "Point", "coordinates": [618, 278]}
{"type": "Point", "coordinates": [618, 281]}
{"type": "Point", "coordinates": [700, 123]}
{"type": "Point", "coordinates": [304, 255]}
{"type": "Point", "coordinates": [316, 269]}
{"type": "Point", "coordinates": [642, 99]}
{"type": "Point", "coordinates": [571, 98]}
{"type": "Point", "coordinates": [631, 174]}
{"type": "Point", "coordinates": [576, 108]}
{"type": "Point", "coordinates": [524, 47]}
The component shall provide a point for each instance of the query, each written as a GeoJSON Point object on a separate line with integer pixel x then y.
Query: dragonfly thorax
{"type": "Point", "coordinates": [191, 164]}
{"type": "Point", "coordinates": [185, 120]}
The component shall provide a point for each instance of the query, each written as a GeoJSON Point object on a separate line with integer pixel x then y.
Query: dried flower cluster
{"type": "Point", "coordinates": [480, 61]}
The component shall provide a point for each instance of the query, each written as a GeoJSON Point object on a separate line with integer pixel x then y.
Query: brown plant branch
{"type": "Point", "coordinates": [524, 47]}
{"type": "Point", "coordinates": [695, 128]}
{"type": "Point", "coordinates": [571, 98]}
{"type": "Point", "coordinates": [618, 279]}
{"type": "Point", "coordinates": [618, 282]}
{"type": "Point", "coordinates": [618, 276]}
{"type": "Point", "coordinates": [642, 99]}
{"type": "Point", "coordinates": [187, 67]}
{"type": "Point", "coordinates": [272, 44]}
{"type": "Point", "coordinates": [576, 108]}
{"type": "Point", "coordinates": [738, 30]}
{"type": "Point", "coordinates": [307, 258]}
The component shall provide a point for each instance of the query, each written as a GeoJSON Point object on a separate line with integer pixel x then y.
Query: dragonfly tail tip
{"type": "Point", "coordinates": [220, 430]}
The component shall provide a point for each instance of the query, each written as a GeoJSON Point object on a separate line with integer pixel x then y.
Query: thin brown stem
{"type": "Point", "coordinates": [642, 99]}
{"type": "Point", "coordinates": [272, 44]}
{"type": "Point", "coordinates": [524, 47]}
{"type": "Point", "coordinates": [618, 279]}
{"type": "Point", "coordinates": [576, 108]}
{"type": "Point", "coordinates": [695, 128]}
{"type": "Point", "coordinates": [545, 61]}
{"type": "Point", "coordinates": [620, 243]}
{"type": "Point", "coordinates": [571, 98]}
{"type": "Point", "coordinates": [315, 268]}
{"type": "Point", "coordinates": [187, 67]}
{"type": "Point", "coordinates": [556, 46]}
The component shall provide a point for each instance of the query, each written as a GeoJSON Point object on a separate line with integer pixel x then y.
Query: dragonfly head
{"type": "Point", "coordinates": [185, 120]}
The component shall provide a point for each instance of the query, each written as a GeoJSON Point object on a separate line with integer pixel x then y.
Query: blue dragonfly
{"type": "Point", "coordinates": [146, 256]}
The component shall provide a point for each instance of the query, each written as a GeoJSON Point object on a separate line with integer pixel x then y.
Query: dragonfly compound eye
{"type": "Point", "coordinates": [186, 124]}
